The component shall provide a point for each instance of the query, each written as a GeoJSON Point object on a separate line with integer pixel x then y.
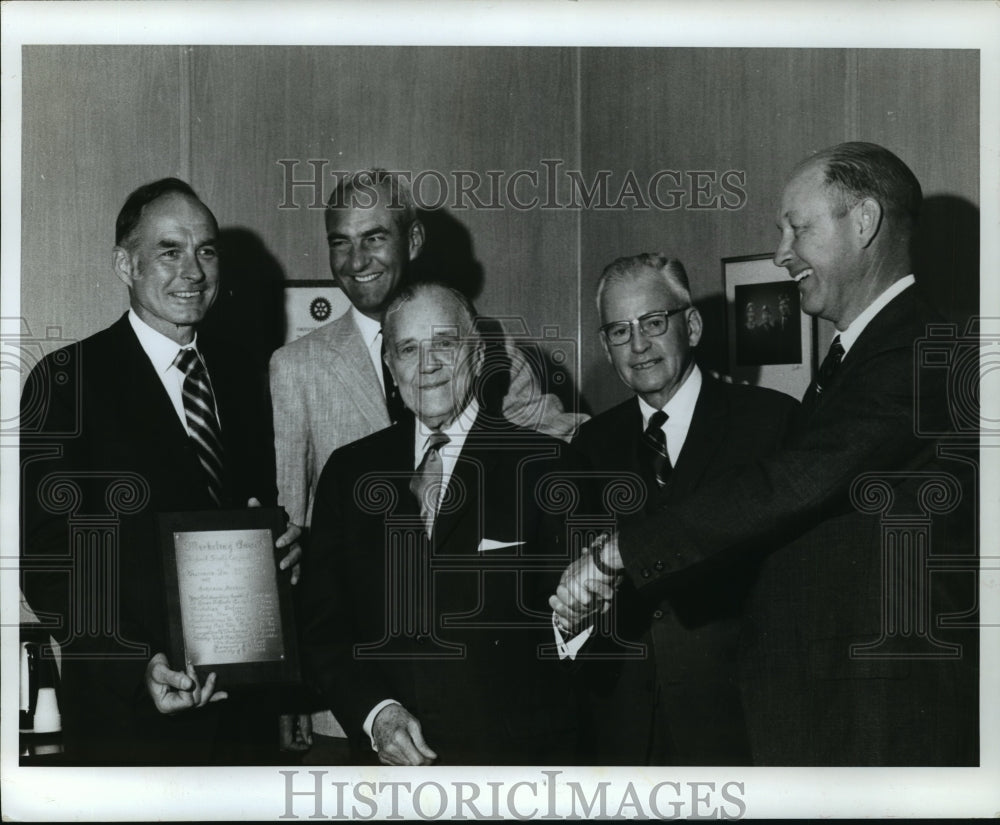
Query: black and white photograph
{"type": "Point", "coordinates": [380, 440]}
{"type": "Point", "coordinates": [771, 328]}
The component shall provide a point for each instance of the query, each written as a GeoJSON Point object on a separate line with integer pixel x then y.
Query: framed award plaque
{"type": "Point", "coordinates": [230, 607]}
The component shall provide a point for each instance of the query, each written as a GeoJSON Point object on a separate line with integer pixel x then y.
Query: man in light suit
{"type": "Point", "coordinates": [424, 599]}
{"type": "Point", "coordinates": [109, 436]}
{"type": "Point", "coordinates": [329, 387]}
{"type": "Point", "coordinates": [846, 664]}
{"type": "Point", "coordinates": [680, 703]}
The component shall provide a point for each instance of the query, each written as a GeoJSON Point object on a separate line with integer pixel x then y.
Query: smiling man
{"type": "Point", "coordinates": [847, 661]}
{"type": "Point", "coordinates": [144, 417]}
{"type": "Point", "coordinates": [424, 602]}
{"type": "Point", "coordinates": [331, 386]}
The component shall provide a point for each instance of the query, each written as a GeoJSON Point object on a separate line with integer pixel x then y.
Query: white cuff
{"type": "Point", "coordinates": [568, 650]}
{"type": "Point", "coordinates": [370, 719]}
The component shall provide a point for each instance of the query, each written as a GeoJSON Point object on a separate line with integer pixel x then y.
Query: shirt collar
{"type": "Point", "coordinates": [857, 326]}
{"type": "Point", "coordinates": [368, 328]}
{"type": "Point", "coordinates": [160, 349]}
{"type": "Point", "coordinates": [680, 408]}
{"type": "Point", "coordinates": [457, 431]}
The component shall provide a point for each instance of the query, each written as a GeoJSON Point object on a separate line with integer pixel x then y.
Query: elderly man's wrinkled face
{"type": "Point", "coordinates": [434, 356]}
{"type": "Point", "coordinates": [170, 265]}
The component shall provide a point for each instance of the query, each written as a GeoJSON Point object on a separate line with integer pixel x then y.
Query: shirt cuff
{"type": "Point", "coordinates": [370, 719]}
{"type": "Point", "coordinates": [569, 649]}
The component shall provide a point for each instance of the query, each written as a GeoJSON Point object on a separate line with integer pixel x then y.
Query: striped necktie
{"type": "Point", "coordinates": [654, 448]}
{"type": "Point", "coordinates": [426, 481]}
{"type": "Point", "coordinates": [203, 424]}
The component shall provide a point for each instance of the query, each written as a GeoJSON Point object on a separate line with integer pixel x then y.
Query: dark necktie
{"type": "Point", "coordinates": [393, 402]}
{"type": "Point", "coordinates": [426, 481]}
{"type": "Point", "coordinates": [830, 364]}
{"type": "Point", "coordinates": [654, 448]}
{"type": "Point", "coordinates": [203, 424]}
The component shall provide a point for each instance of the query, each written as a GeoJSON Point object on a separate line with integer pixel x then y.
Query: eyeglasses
{"type": "Point", "coordinates": [652, 324]}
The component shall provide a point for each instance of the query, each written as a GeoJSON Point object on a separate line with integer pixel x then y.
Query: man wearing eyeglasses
{"type": "Point", "coordinates": [680, 703]}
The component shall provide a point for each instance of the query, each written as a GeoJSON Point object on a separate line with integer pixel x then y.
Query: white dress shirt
{"type": "Point", "coordinates": [680, 411]}
{"type": "Point", "coordinates": [161, 352]}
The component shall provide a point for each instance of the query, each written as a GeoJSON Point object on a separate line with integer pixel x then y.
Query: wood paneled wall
{"type": "Point", "coordinates": [100, 120]}
{"type": "Point", "coordinates": [759, 111]}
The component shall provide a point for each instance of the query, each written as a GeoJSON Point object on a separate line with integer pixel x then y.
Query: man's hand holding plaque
{"type": "Point", "coordinates": [174, 690]}
{"type": "Point", "coordinates": [290, 539]}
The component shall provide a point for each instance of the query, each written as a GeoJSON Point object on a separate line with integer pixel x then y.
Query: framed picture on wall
{"type": "Point", "coordinates": [310, 304]}
{"type": "Point", "coordinates": [772, 343]}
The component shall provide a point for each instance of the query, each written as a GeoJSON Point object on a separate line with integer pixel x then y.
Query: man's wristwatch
{"type": "Point", "coordinates": [595, 551]}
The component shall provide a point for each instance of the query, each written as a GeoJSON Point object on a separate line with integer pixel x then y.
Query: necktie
{"type": "Point", "coordinates": [654, 448]}
{"type": "Point", "coordinates": [426, 481]}
{"type": "Point", "coordinates": [829, 366]}
{"type": "Point", "coordinates": [199, 409]}
{"type": "Point", "coordinates": [393, 402]}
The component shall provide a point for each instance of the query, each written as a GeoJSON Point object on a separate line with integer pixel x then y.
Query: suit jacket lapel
{"type": "Point", "coordinates": [357, 371]}
{"type": "Point", "coordinates": [149, 415]}
{"type": "Point", "coordinates": [703, 439]}
{"type": "Point", "coordinates": [144, 392]}
{"type": "Point", "coordinates": [883, 331]}
{"type": "Point", "coordinates": [465, 487]}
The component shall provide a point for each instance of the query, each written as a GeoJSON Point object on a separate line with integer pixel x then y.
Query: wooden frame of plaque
{"type": "Point", "coordinates": [229, 606]}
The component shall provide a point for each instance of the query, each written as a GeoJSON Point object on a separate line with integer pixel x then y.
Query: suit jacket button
{"type": "Point", "coordinates": [657, 614]}
{"type": "Point", "coordinates": [646, 574]}
{"type": "Point", "coordinates": [658, 566]}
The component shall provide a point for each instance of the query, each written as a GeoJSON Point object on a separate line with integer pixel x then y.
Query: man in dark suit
{"type": "Point", "coordinates": [424, 597]}
{"type": "Point", "coordinates": [846, 664]}
{"type": "Point", "coordinates": [144, 417]}
{"type": "Point", "coordinates": [680, 703]}
{"type": "Point", "coordinates": [330, 387]}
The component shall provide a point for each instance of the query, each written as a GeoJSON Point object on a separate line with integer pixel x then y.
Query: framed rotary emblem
{"type": "Point", "coordinates": [310, 304]}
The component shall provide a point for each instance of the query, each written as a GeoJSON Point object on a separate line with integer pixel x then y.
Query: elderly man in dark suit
{"type": "Point", "coordinates": [424, 605]}
{"type": "Point", "coordinates": [680, 702]}
{"type": "Point", "coordinates": [330, 387]}
{"type": "Point", "coordinates": [845, 665]}
{"type": "Point", "coordinates": [143, 417]}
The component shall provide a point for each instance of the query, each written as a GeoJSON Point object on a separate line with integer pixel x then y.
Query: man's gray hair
{"type": "Point", "coordinates": [670, 269]}
{"type": "Point", "coordinates": [859, 170]}
{"type": "Point", "coordinates": [411, 291]}
{"type": "Point", "coordinates": [361, 190]}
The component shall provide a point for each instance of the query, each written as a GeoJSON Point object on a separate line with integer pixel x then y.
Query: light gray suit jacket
{"type": "Point", "coordinates": [325, 394]}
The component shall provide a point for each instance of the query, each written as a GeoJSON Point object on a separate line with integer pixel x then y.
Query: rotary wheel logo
{"type": "Point", "coordinates": [320, 309]}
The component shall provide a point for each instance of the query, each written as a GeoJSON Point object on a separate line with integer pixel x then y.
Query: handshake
{"type": "Point", "coordinates": [588, 584]}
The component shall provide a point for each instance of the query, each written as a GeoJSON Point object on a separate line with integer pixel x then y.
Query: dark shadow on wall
{"type": "Point", "coordinates": [249, 309]}
{"type": "Point", "coordinates": [713, 349]}
{"type": "Point", "coordinates": [448, 256]}
{"type": "Point", "coordinates": [945, 252]}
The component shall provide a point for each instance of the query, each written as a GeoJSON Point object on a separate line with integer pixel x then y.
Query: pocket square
{"type": "Point", "coordinates": [491, 544]}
